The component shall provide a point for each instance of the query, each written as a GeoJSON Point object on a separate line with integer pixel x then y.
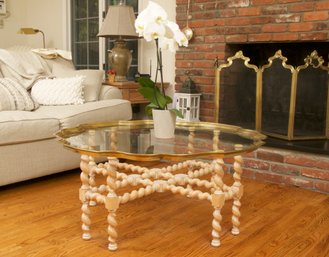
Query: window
{"type": "Point", "coordinates": [85, 43]}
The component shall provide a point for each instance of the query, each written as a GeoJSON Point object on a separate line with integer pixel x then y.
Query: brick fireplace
{"type": "Point", "coordinates": [223, 27]}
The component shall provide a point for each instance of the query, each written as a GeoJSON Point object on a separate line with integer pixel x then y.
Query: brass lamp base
{"type": "Point", "coordinates": [120, 59]}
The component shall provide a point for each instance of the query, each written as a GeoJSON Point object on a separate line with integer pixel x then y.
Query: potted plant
{"type": "Point", "coordinates": [153, 25]}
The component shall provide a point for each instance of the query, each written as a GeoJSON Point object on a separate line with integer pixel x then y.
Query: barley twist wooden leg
{"type": "Point", "coordinates": [218, 173]}
{"type": "Point", "coordinates": [215, 140]}
{"type": "Point", "coordinates": [217, 199]}
{"type": "Point", "coordinates": [85, 221]}
{"type": "Point", "coordinates": [216, 228]}
{"type": "Point", "coordinates": [84, 165]}
{"type": "Point", "coordinates": [114, 139]}
{"type": "Point", "coordinates": [92, 181]}
{"type": "Point", "coordinates": [190, 171]}
{"type": "Point", "coordinates": [191, 137]}
{"type": "Point", "coordinates": [238, 192]}
{"type": "Point", "coordinates": [111, 230]}
{"type": "Point", "coordinates": [112, 204]}
{"type": "Point", "coordinates": [236, 217]}
{"type": "Point", "coordinates": [190, 149]}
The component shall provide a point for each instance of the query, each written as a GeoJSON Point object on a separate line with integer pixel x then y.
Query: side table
{"type": "Point", "coordinates": [129, 91]}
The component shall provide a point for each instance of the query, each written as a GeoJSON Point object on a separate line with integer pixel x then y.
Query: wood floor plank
{"type": "Point", "coordinates": [42, 218]}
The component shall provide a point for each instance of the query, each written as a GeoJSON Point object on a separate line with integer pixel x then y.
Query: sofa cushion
{"type": "Point", "coordinates": [100, 111]}
{"type": "Point", "coordinates": [24, 126]}
{"type": "Point", "coordinates": [92, 82]}
{"type": "Point", "coordinates": [59, 62]}
{"type": "Point", "coordinates": [58, 91]}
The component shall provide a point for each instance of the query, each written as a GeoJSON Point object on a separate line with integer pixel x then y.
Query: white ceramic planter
{"type": "Point", "coordinates": [164, 123]}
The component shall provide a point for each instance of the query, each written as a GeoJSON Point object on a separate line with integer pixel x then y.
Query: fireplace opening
{"type": "Point", "coordinates": [307, 130]}
{"type": "Point", "coordinates": [295, 52]}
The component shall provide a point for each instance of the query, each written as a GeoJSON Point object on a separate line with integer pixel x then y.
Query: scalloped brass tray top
{"type": "Point", "coordinates": [134, 140]}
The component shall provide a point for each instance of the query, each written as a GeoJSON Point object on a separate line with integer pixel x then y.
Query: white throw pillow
{"type": "Point", "coordinates": [92, 83]}
{"type": "Point", "coordinates": [14, 96]}
{"type": "Point", "coordinates": [58, 91]}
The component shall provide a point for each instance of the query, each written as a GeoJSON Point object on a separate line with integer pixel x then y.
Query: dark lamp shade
{"type": "Point", "coordinates": [119, 22]}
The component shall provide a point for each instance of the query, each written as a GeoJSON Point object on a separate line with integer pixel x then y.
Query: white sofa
{"type": "Point", "coordinates": [28, 147]}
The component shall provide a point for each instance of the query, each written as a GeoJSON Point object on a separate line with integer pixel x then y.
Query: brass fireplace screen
{"type": "Point", "coordinates": [276, 99]}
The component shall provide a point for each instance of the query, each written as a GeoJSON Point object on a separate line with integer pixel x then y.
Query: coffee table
{"type": "Point", "coordinates": [194, 160]}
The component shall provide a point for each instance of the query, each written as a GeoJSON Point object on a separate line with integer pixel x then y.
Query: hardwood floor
{"type": "Point", "coordinates": [42, 218]}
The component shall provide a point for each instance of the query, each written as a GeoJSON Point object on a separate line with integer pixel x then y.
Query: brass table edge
{"type": "Point", "coordinates": [256, 136]}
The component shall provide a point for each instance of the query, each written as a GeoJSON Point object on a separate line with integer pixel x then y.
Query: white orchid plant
{"type": "Point", "coordinates": [153, 24]}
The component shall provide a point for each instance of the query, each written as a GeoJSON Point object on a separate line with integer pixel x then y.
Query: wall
{"type": "Point", "coordinates": [8, 34]}
{"type": "Point", "coordinates": [46, 15]}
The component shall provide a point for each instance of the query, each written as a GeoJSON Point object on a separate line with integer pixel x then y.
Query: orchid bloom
{"type": "Point", "coordinates": [152, 23]}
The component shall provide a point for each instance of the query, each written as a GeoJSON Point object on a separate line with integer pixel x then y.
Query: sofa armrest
{"type": "Point", "coordinates": [109, 92]}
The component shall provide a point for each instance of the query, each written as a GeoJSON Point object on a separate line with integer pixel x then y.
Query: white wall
{"type": "Point", "coordinates": [46, 15]}
{"type": "Point", "coordinates": [17, 17]}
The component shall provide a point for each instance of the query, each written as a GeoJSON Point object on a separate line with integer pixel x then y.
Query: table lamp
{"type": "Point", "coordinates": [119, 24]}
{"type": "Point", "coordinates": [31, 31]}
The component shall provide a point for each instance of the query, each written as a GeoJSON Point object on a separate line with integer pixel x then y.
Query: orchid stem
{"type": "Point", "coordinates": [156, 73]}
{"type": "Point", "coordinates": [159, 69]}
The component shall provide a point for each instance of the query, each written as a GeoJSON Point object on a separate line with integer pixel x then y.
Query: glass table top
{"type": "Point", "coordinates": [134, 140]}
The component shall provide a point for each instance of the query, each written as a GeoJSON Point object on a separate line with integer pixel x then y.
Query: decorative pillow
{"type": "Point", "coordinates": [58, 91]}
{"type": "Point", "coordinates": [92, 83]}
{"type": "Point", "coordinates": [13, 96]}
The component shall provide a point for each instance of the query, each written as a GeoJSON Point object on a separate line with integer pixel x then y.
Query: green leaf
{"type": "Point", "coordinates": [148, 93]}
{"type": "Point", "coordinates": [161, 100]}
{"type": "Point", "coordinates": [152, 93]}
{"type": "Point", "coordinates": [168, 99]}
{"type": "Point", "coordinates": [177, 112]}
{"type": "Point", "coordinates": [149, 108]}
{"type": "Point", "coordinates": [146, 82]}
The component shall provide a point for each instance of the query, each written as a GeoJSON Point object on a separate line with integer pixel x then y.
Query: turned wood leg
{"type": "Point", "coordinates": [218, 174]}
{"type": "Point", "coordinates": [236, 217]}
{"type": "Point", "coordinates": [188, 186]}
{"type": "Point", "coordinates": [85, 221]}
{"type": "Point", "coordinates": [112, 204]}
{"type": "Point", "coordinates": [92, 181]}
{"type": "Point", "coordinates": [236, 210]}
{"type": "Point", "coordinates": [84, 165]}
{"type": "Point", "coordinates": [217, 199]}
{"type": "Point", "coordinates": [238, 192]}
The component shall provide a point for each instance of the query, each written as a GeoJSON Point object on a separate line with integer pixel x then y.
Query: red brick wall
{"type": "Point", "coordinates": [221, 22]}
{"type": "Point", "coordinates": [308, 171]}
{"type": "Point", "coordinates": [288, 167]}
